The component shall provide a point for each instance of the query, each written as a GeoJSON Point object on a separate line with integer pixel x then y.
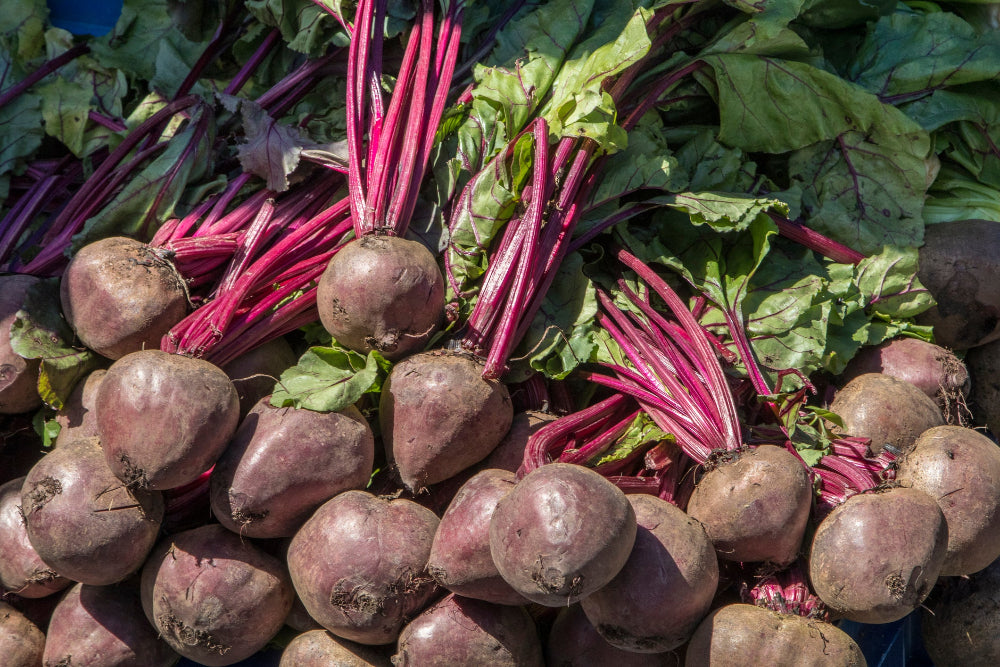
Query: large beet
{"type": "Point", "coordinates": [960, 468]}
{"type": "Point", "coordinates": [321, 648]}
{"type": "Point", "coordinates": [82, 521]}
{"type": "Point", "coordinates": [960, 267]}
{"type": "Point", "coordinates": [755, 507]}
{"type": "Point", "coordinates": [18, 376]}
{"type": "Point", "coordinates": [562, 533]}
{"type": "Point", "coordinates": [121, 296]}
{"type": "Point", "coordinates": [666, 586]}
{"type": "Point", "coordinates": [104, 625]}
{"type": "Point", "coordinates": [983, 363]}
{"type": "Point", "coordinates": [742, 634]}
{"type": "Point", "coordinates": [887, 410]}
{"type": "Point", "coordinates": [462, 631]}
{"type": "Point", "coordinates": [961, 622]}
{"type": "Point", "coordinates": [283, 463]}
{"type": "Point", "coordinates": [214, 597]}
{"type": "Point", "coordinates": [878, 555]}
{"type": "Point", "coordinates": [439, 416]}
{"type": "Point", "coordinates": [460, 557]}
{"type": "Point", "coordinates": [359, 565]}
{"type": "Point", "coordinates": [22, 571]}
{"type": "Point", "coordinates": [21, 642]}
{"type": "Point", "coordinates": [382, 293]}
{"type": "Point", "coordinates": [164, 419]}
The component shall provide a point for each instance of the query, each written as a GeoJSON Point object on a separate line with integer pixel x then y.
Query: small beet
{"type": "Point", "coordinates": [22, 571]}
{"type": "Point", "coordinates": [439, 416]}
{"type": "Point", "coordinates": [321, 648]}
{"type": "Point", "coordinates": [462, 631]}
{"type": "Point", "coordinates": [121, 296]}
{"type": "Point", "coordinates": [563, 532]}
{"type": "Point", "coordinates": [665, 588]}
{"type": "Point", "coordinates": [359, 565]}
{"type": "Point", "coordinates": [82, 521]}
{"type": "Point", "coordinates": [460, 557]}
{"type": "Point", "coordinates": [755, 507]}
{"type": "Point", "coordinates": [877, 556]}
{"type": "Point", "coordinates": [104, 625]}
{"type": "Point", "coordinates": [18, 376]}
{"type": "Point", "coordinates": [164, 419]}
{"type": "Point", "coordinates": [887, 410]}
{"type": "Point", "coordinates": [214, 597]}
{"type": "Point", "coordinates": [960, 468]}
{"type": "Point", "coordinates": [382, 293]}
{"type": "Point", "coordinates": [283, 463]}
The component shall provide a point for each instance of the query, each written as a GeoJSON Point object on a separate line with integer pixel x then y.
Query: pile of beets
{"type": "Point", "coordinates": [180, 513]}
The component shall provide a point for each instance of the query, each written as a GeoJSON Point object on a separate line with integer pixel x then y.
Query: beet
{"type": "Point", "coordinates": [104, 625]}
{"type": "Point", "coordinates": [509, 454]}
{"type": "Point", "coordinates": [255, 373]}
{"type": "Point", "coordinates": [887, 410]}
{"type": "Point", "coordinates": [283, 463]}
{"type": "Point", "coordinates": [960, 622]}
{"type": "Point", "coordinates": [742, 634]}
{"type": "Point", "coordinates": [121, 296]}
{"type": "Point", "coordinates": [960, 267]}
{"type": "Point", "coordinates": [21, 642]}
{"type": "Point", "coordinates": [298, 618]}
{"type": "Point", "coordinates": [460, 557]}
{"type": "Point", "coordinates": [960, 468]}
{"type": "Point", "coordinates": [562, 533]}
{"type": "Point", "coordinates": [164, 419]}
{"type": "Point", "coordinates": [931, 368]}
{"type": "Point", "coordinates": [877, 556]}
{"type": "Point", "coordinates": [382, 293]}
{"type": "Point", "coordinates": [82, 521]}
{"type": "Point", "coordinates": [665, 588]}
{"type": "Point", "coordinates": [755, 507]}
{"type": "Point", "coordinates": [18, 376]}
{"type": "Point", "coordinates": [439, 416]}
{"type": "Point", "coordinates": [462, 631]}
{"type": "Point", "coordinates": [573, 642]}
{"type": "Point", "coordinates": [214, 597]}
{"type": "Point", "coordinates": [21, 569]}
{"type": "Point", "coordinates": [320, 648]}
{"type": "Point", "coordinates": [78, 417]}
{"type": "Point", "coordinates": [359, 565]}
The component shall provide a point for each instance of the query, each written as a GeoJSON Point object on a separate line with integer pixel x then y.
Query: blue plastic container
{"type": "Point", "coordinates": [85, 17]}
{"type": "Point", "coordinates": [896, 644]}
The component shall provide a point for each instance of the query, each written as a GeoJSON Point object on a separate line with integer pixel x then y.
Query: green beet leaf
{"type": "Point", "coordinates": [329, 379]}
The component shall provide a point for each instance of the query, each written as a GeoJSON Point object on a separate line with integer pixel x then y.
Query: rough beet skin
{"type": "Point", "coordinates": [164, 419]}
{"type": "Point", "coordinates": [215, 598]}
{"type": "Point", "coordinates": [562, 533]}
{"type": "Point", "coordinates": [18, 376]}
{"type": "Point", "coordinates": [283, 463]}
{"type": "Point", "coordinates": [121, 296]}
{"type": "Point", "coordinates": [875, 557]}
{"type": "Point", "coordinates": [755, 507]}
{"type": "Point", "coordinates": [438, 416]}
{"type": "Point", "coordinates": [359, 565]}
{"type": "Point", "coordinates": [382, 293]}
